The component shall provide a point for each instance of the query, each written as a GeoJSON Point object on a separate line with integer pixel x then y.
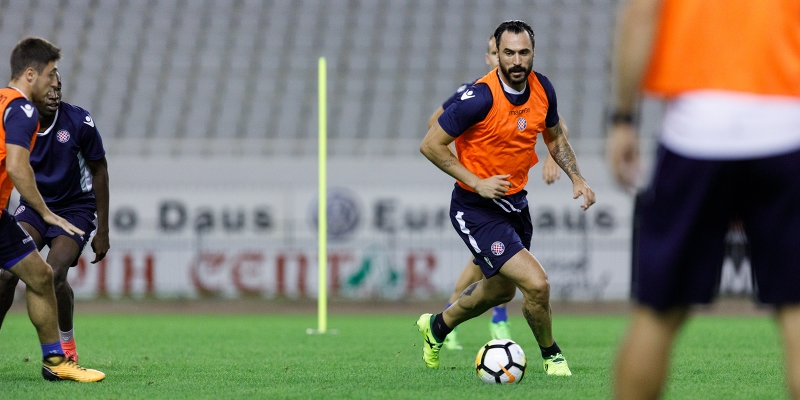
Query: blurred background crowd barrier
{"type": "Point", "coordinates": [208, 113]}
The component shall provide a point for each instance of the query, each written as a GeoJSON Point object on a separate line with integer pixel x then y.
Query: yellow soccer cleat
{"type": "Point", "coordinates": [557, 365]}
{"type": "Point", "coordinates": [430, 349]}
{"type": "Point", "coordinates": [64, 369]}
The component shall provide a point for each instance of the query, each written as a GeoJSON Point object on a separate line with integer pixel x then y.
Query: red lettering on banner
{"type": "Point", "coordinates": [247, 264]}
{"type": "Point", "coordinates": [335, 261]}
{"type": "Point", "coordinates": [210, 262]}
{"type": "Point", "coordinates": [129, 272]}
{"type": "Point", "coordinates": [415, 280]}
{"type": "Point", "coordinates": [280, 274]}
{"type": "Point", "coordinates": [302, 272]}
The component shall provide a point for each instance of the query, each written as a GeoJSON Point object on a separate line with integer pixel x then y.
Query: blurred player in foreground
{"type": "Point", "coordinates": [729, 148]}
{"type": "Point", "coordinates": [33, 74]}
{"type": "Point", "coordinates": [551, 172]}
{"type": "Point", "coordinates": [494, 125]}
{"type": "Point", "coordinates": [72, 176]}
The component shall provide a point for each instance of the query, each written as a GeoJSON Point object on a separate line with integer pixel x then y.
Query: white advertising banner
{"type": "Point", "coordinates": [247, 228]}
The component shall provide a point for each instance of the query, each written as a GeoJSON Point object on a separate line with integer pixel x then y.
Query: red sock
{"type": "Point", "coordinates": [69, 350]}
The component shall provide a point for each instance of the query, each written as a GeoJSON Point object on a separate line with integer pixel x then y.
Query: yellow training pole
{"type": "Point", "coordinates": [322, 212]}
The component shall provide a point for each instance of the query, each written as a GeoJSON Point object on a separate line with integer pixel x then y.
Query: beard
{"type": "Point", "coordinates": [519, 68]}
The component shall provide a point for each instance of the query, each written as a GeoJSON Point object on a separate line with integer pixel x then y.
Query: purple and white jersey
{"type": "Point", "coordinates": [60, 154]}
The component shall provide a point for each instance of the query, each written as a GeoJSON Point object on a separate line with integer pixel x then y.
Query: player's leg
{"type": "Point", "coordinates": [789, 320]}
{"type": "Point", "coordinates": [8, 287]}
{"type": "Point", "coordinates": [677, 255]}
{"type": "Point", "coordinates": [470, 274]}
{"type": "Point", "coordinates": [39, 295]}
{"type": "Point", "coordinates": [9, 281]}
{"type": "Point", "coordinates": [41, 301]}
{"type": "Point", "coordinates": [528, 275]}
{"type": "Point", "coordinates": [476, 299]}
{"type": "Point", "coordinates": [643, 359]}
{"type": "Point", "coordinates": [64, 251]}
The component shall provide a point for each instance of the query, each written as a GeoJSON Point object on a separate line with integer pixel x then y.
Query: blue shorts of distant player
{"type": "Point", "coordinates": [80, 213]}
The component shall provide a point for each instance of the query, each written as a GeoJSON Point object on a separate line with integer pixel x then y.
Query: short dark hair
{"type": "Point", "coordinates": [513, 26]}
{"type": "Point", "coordinates": [33, 53]}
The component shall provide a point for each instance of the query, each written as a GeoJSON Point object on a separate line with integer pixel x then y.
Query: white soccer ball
{"type": "Point", "coordinates": [501, 361]}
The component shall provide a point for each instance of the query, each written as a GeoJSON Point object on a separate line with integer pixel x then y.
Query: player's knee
{"type": "Point", "coordinates": [59, 273]}
{"type": "Point", "coordinates": [537, 290]}
{"type": "Point", "coordinates": [41, 277]}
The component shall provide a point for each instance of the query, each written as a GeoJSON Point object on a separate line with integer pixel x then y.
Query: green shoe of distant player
{"type": "Point", "coordinates": [451, 341]}
{"type": "Point", "coordinates": [557, 365]}
{"type": "Point", "coordinates": [499, 330]}
{"type": "Point", "coordinates": [430, 349]}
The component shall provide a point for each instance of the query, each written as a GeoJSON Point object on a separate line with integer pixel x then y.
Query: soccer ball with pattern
{"type": "Point", "coordinates": [501, 361]}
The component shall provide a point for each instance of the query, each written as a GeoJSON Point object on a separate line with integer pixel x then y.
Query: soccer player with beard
{"type": "Point", "coordinates": [494, 125]}
{"type": "Point", "coordinates": [551, 172]}
{"type": "Point", "coordinates": [72, 176]}
{"type": "Point", "coordinates": [33, 74]}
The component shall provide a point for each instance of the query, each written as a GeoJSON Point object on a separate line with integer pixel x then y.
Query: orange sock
{"type": "Point", "coordinates": [69, 350]}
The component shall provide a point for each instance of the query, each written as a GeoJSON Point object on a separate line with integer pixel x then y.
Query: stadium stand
{"type": "Point", "coordinates": [239, 76]}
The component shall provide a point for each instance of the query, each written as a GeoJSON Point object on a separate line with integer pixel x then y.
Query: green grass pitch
{"type": "Point", "coordinates": [373, 356]}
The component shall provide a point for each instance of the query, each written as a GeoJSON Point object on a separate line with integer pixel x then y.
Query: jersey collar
{"type": "Point", "coordinates": [55, 118]}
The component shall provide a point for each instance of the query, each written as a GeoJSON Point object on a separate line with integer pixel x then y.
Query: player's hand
{"type": "Point", "coordinates": [580, 188]}
{"type": "Point", "coordinates": [493, 187]}
{"type": "Point", "coordinates": [55, 220]}
{"type": "Point", "coordinates": [622, 153]}
{"type": "Point", "coordinates": [100, 245]}
{"type": "Point", "coordinates": [551, 172]}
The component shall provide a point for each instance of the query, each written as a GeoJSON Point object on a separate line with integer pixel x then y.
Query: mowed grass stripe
{"type": "Point", "coordinates": [213, 356]}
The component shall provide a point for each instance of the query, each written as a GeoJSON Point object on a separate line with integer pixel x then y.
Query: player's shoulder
{"type": "Point", "coordinates": [464, 86]}
{"type": "Point", "coordinates": [478, 90]}
{"type": "Point", "coordinates": [22, 106]}
{"type": "Point", "coordinates": [543, 80]}
{"type": "Point", "coordinates": [78, 115]}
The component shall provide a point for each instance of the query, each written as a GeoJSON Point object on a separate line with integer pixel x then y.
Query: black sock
{"type": "Point", "coordinates": [439, 329]}
{"type": "Point", "coordinates": [550, 351]}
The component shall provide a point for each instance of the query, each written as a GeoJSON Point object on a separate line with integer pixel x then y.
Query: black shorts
{"type": "Point", "coordinates": [15, 243]}
{"type": "Point", "coordinates": [494, 231]}
{"type": "Point", "coordinates": [79, 213]}
{"type": "Point", "coordinates": [682, 219]}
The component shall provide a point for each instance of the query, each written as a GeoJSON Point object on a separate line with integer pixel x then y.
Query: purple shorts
{"type": "Point", "coordinates": [81, 214]}
{"type": "Point", "coordinates": [494, 232]}
{"type": "Point", "coordinates": [681, 221]}
{"type": "Point", "coordinates": [15, 243]}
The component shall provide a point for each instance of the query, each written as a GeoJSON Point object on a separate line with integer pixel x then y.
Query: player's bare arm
{"type": "Point", "coordinates": [435, 148]}
{"type": "Point", "coordinates": [562, 153]}
{"type": "Point", "coordinates": [100, 243]}
{"type": "Point", "coordinates": [634, 43]}
{"type": "Point", "coordinates": [21, 173]}
{"type": "Point", "coordinates": [551, 171]}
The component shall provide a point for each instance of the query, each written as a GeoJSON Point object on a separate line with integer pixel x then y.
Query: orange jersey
{"type": "Point", "coordinates": [503, 142]}
{"type": "Point", "coordinates": [748, 46]}
{"type": "Point", "coordinates": [7, 95]}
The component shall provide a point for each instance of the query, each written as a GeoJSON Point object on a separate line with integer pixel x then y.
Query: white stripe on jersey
{"type": "Point", "coordinates": [86, 175]}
